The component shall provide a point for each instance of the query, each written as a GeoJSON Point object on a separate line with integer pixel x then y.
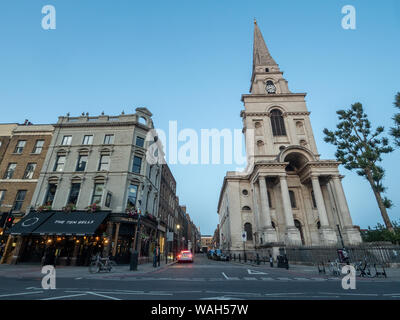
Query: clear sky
{"type": "Point", "coordinates": [190, 61]}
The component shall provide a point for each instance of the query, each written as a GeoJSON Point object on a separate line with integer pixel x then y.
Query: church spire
{"type": "Point", "coordinates": [261, 55]}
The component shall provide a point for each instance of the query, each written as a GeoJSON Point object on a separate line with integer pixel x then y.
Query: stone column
{"type": "Point", "coordinates": [352, 234]}
{"type": "Point", "coordinates": [292, 233]}
{"type": "Point", "coordinates": [328, 235]}
{"type": "Point", "coordinates": [268, 231]}
{"type": "Point", "coordinates": [256, 209]}
{"type": "Point", "coordinates": [323, 217]}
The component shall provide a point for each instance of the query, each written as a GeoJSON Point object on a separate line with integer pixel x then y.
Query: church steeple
{"type": "Point", "coordinates": [267, 78]}
{"type": "Point", "coordinates": [261, 56]}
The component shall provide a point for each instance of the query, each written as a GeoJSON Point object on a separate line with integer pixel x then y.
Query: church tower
{"type": "Point", "coordinates": [287, 194]}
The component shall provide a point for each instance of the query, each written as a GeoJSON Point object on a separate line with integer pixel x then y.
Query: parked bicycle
{"type": "Point", "coordinates": [363, 269]}
{"type": "Point", "coordinates": [101, 264]}
{"type": "Point", "coordinates": [335, 267]}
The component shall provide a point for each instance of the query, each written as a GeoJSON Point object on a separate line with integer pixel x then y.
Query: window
{"type": "Point", "coordinates": [249, 231]}
{"type": "Point", "coordinates": [59, 165]}
{"type": "Point", "coordinates": [19, 200]}
{"type": "Point", "coordinates": [277, 122]}
{"type": "Point", "coordinates": [2, 196]}
{"type": "Point", "coordinates": [245, 192]}
{"type": "Point", "coordinates": [269, 200]}
{"type": "Point", "coordinates": [104, 164]}
{"type": "Point", "coordinates": [299, 227]}
{"type": "Point", "coordinates": [273, 224]}
{"type": "Point", "coordinates": [292, 199]}
{"type": "Point", "coordinates": [137, 164]}
{"type": "Point", "coordinates": [246, 208]}
{"type": "Point", "coordinates": [140, 142]}
{"type": "Point", "coordinates": [74, 193]}
{"type": "Point", "coordinates": [87, 140]}
{"type": "Point", "coordinates": [97, 193]}
{"type": "Point", "coordinates": [29, 171]}
{"type": "Point", "coordinates": [51, 193]}
{"type": "Point", "coordinates": [20, 146]}
{"type": "Point", "coordinates": [132, 195]}
{"type": "Point", "coordinates": [10, 171]}
{"type": "Point", "coordinates": [66, 141]}
{"type": "Point", "coordinates": [314, 203]}
{"type": "Point", "coordinates": [109, 139]}
{"type": "Point", "coordinates": [81, 165]}
{"type": "Point", "coordinates": [38, 147]}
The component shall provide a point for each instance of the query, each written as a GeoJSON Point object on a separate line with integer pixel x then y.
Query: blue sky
{"type": "Point", "coordinates": [190, 61]}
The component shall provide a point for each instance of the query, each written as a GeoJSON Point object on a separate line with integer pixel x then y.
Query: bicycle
{"type": "Point", "coordinates": [363, 269]}
{"type": "Point", "coordinates": [101, 264]}
{"type": "Point", "coordinates": [335, 268]}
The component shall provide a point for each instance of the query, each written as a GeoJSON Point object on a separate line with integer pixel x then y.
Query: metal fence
{"type": "Point", "coordinates": [380, 254]}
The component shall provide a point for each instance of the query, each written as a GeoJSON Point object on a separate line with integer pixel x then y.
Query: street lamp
{"type": "Point", "coordinates": [178, 227]}
{"type": "Point", "coordinates": [135, 253]}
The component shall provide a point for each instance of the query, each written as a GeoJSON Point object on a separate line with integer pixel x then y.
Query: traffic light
{"type": "Point", "coordinates": [9, 222]}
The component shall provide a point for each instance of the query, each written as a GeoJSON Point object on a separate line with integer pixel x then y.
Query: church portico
{"type": "Point", "coordinates": [287, 196]}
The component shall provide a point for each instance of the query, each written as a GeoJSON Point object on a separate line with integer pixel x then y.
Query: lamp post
{"type": "Point", "coordinates": [135, 253]}
{"type": "Point", "coordinates": [178, 227]}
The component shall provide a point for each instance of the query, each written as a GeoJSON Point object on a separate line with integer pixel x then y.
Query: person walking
{"type": "Point", "coordinates": [271, 261]}
{"type": "Point", "coordinates": [155, 257]}
{"type": "Point", "coordinates": [158, 256]}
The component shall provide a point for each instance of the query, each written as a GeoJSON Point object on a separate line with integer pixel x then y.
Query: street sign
{"type": "Point", "coordinates": [244, 236]}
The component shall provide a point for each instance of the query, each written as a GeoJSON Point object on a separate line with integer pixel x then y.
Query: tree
{"type": "Point", "coordinates": [360, 148]}
{"type": "Point", "coordinates": [395, 131]}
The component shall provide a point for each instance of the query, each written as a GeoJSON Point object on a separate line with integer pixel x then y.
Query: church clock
{"type": "Point", "coordinates": [270, 87]}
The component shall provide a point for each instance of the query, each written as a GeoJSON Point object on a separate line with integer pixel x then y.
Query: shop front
{"type": "Point", "coordinates": [59, 238]}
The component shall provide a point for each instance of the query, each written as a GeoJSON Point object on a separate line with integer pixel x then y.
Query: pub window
{"type": "Point", "coordinates": [74, 193]}
{"type": "Point", "coordinates": [37, 149]}
{"type": "Point", "coordinates": [292, 199]}
{"type": "Point", "coordinates": [20, 146]}
{"type": "Point", "coordinates": [140, 142]}
{"type": "Point", "coordinates": [59, 165]}
{"type": "Point", "coordinates": [51, 193]}
{"type": "Point", "coordinates": [29, 171]}
{"type": "Point", "coordinates": [10, 171]}
{"type": "Point", "coordinates": [109, 139]}
{"type": "Point", "coordinates": [66, 141]}
{"type": "Point", "coordinates": [82, 162]}
{"type": "Point", "coordinates": [97, 193]}
{"type": "Point", "coordinates": [132, 195]}
{"type": "Point", "coordinates": [277, 122]}
{"type": "Point", "coordinates": [2, 196]}
{"type": "Point", "coordinates": [19, 200]}
{"type": "Point", "coordinates": [104, 164]}
{"type": "Point", "coordinates": [87, 140]}
{"type": "Point", "coordinates": [137, 164]}
{"type": "Point", "coordinates": [249, 231]}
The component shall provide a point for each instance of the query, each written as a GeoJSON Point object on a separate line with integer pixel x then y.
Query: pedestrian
{"type": "Point", "coordinates": [271, 261]}
{"type": "Point", "coordinates": [158, 255]}
{"type": "Point", "coordinates": [155, 257]}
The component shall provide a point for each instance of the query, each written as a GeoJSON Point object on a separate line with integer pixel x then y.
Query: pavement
{"type": "Point", "coordinates": [202, 280]}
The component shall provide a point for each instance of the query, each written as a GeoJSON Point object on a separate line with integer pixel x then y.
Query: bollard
{"type": "Point", "coordinates": [258, 259]}
{"type": "Point", "coordinates": [234, 257]}
{"type": "Point", "coordinates": [245, 258]}
{"type": "Point", "coordinates": [239, 258]}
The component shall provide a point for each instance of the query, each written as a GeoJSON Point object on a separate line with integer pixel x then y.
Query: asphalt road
{"type": "Point", "coordinates": [204, 279]}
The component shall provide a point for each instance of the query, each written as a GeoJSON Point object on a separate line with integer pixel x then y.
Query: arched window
{"type": "Point", "coordinates": [277, 122]}
{"type": "Point", "coordinates": [246, 208]}
{"type": "Point", "coordinates": [292, 199]}
{"type": "Point", "coordinates": [249, 231]}
{"type": "Point", "coordinates": [273, 225]}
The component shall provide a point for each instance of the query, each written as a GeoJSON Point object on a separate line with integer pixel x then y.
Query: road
{"type": "Point", "coordinates": [204, 279]}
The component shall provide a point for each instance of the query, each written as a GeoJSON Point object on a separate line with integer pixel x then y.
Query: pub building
{"type": "Point", "coordinates": [94, 181]}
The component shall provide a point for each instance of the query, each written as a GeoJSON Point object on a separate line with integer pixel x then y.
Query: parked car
{"type": "Point", "coordinates": [217, 254]}
{"type": "Point", "coordinates": [185, 256]}
{"type": "Point", "coordinates": [210, 254]}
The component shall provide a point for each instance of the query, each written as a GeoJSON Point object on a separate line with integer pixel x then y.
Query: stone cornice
{"type": "Point", "coordinates": [244, 114]}
{"type": "Point", "coordinates": [101, 124]}
{"type": "Point", "coordinates": [277, 95]}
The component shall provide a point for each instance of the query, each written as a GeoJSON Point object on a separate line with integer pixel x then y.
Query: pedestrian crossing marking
{"type": "Point", "coordinates": [255, 272]}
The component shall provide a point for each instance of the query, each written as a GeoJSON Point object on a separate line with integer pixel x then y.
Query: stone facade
{"type": "Point", "coordinates": [287, 195]}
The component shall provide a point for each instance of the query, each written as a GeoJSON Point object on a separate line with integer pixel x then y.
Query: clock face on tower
{"type": "Point", "coordinates": [270, 87]}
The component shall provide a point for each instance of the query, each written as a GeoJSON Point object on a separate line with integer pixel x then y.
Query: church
{"type": "Point", "coordinates": [287, 195]}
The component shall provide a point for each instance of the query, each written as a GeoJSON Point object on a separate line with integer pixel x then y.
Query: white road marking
{"type": "Point", "coordinates": [319, 279]}
{"type": "Point", "coordinates": [284, 279]}
{"type": "Point", "coordinates": [229, 278]}
{"type": "Point", "coordinates": [101, 295]}
{"type": "Point", "coordinates": [220, 298]}
{"type": "Point", "coordinates": [249, 278]}
{"type": "Point", "coordinates": [78, 278]}
{"type": "Point", "coordinates": [302, 279]}
{"type": "Point", "coordinates": [268, 279]}
{"type": "Point", "coordinates": [20, 294]}
{"type": "Point", "coordinates": [255, 272]}
{"type": "Point", "coordinates": [62, 297]}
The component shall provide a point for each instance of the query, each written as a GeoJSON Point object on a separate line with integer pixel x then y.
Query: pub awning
{"type": "Point", "coordinates": [30, 222]}
{"type": "Point", "coordinates": [72, 223]}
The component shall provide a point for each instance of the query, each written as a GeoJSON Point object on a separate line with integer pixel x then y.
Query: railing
{"type": "Point", "coordinates": [380, 254]}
